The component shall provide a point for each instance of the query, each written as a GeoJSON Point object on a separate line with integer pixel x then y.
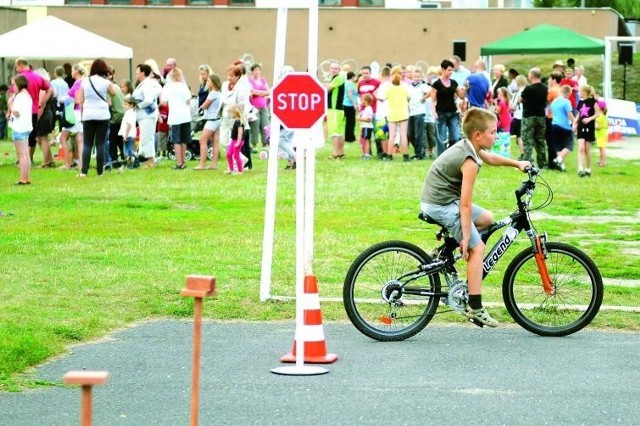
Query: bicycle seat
{"type": "Point", "coordinates": [425, 217]}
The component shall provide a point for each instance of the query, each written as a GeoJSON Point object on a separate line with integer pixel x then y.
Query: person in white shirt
{"type": "Point", "coordinates": [177, 96]}
{"type": "Point", "coordinates": [21, 126]}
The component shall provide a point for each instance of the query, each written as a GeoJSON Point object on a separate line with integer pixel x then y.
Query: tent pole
{"type": "Point", "coordinates": [130, 69]}
{"type": "Point", "coordinates": [3, 71]}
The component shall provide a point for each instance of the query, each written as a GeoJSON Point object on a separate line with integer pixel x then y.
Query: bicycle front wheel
{"type": "Point", "coordinates": [575, 297]}
{"type": "Point", "coordinates": [380, 291]}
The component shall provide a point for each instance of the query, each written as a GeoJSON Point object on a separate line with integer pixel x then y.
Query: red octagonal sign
{"type": "Point", "coordinates": [299, 100]}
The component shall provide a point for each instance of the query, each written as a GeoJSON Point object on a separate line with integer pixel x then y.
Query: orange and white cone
{"type": "Point", "coordinates": [312, 333]}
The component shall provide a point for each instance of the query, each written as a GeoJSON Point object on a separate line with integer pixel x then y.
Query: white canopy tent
{"type": "Point", "coordinates": [52, 38]}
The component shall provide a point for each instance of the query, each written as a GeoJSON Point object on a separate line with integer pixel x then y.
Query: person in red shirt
{"type": "Point", "coordinates": [35, 85]}
{"type": "Point", "coordinates": [367, 85]}
{"type": "Point", "coordinates": [569, 81]}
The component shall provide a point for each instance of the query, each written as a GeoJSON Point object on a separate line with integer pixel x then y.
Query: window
{"type": "Point", "coordinates": [330, 3]}
{"type": "Point", "coordinates": [242, 2]}
{"type": "Point", "coordinates": [371, 3]}
{"type": "Point", "coordinates": [159, 2]}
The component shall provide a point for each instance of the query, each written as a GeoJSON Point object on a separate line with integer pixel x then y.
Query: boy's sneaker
{"type": "Point", "coordinates": [480, 315]}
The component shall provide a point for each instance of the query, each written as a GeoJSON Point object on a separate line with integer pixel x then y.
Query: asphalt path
{"type": "Point", "coordinates": [444, 375]}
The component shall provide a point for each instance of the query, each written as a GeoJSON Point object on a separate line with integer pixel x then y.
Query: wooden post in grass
{"type": "Point", "coordinates": [198, 287]}
{"type": "Point", "coordinates": [86, 379]}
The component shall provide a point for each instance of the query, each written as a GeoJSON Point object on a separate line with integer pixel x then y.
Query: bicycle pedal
{"type": "Point", "coordinates": [476, 322]}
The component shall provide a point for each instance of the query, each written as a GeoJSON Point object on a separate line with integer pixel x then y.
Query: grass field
{"type": "Point", "coordinates": [82, 257]}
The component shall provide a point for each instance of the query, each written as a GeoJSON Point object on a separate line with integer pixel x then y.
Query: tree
{"type": "Point", "coordinates": [627, 8]}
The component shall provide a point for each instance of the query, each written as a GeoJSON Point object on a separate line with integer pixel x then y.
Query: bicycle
{"type": "Point", "coordinates": [392, 290]}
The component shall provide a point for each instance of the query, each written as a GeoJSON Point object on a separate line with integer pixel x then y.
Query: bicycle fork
{"type": "Point", "coordinates": [540, 253]}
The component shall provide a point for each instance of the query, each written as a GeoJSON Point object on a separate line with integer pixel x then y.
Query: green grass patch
{"type": "Point", "coordinates": [84, 257]}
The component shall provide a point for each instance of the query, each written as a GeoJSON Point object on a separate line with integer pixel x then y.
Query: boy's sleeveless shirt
{"type": "Point", "coordinates": [444, 180]}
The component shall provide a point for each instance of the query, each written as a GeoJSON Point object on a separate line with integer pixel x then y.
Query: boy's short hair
{"type": "Point", "coordinates": [367, 98]}
{"type": "Point", "coordinates": [566, 90]}
{"type": "Point", "coordinates": [477, 120]}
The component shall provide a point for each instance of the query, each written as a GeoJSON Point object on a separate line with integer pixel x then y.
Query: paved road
{"type": "Point", "coordinates": [444, 375]}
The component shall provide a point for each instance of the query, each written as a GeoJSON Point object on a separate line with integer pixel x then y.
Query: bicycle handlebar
{"type": "Point", "coordinates": [527, 184]}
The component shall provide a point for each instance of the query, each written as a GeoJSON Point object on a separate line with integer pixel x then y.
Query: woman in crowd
{"type": "Point", "coordinates": [443, 105]}
{"type": "Point", "coordinates": [211, 132]}
{"type": "Point", "coordinates": [177, 96]}
{"type": "Point", "coordinates": [21, 126]}
{"type": "Point", "coordinates": [73, 134]}
{"type": "Point", "coordinates": [499, 80]}
{"type": "Point", "coordinates": [349, 105]}
{"type": "Point", "coordinates": [260, 101]}
{"type": "Point", "coordinates": [93, 95]}
{"type": "Point", "coordinates": [397, 113]}
{"type": "Point", "coordinates": [146, 95]}
{"type": "Point", "coordinates": [231, 95]}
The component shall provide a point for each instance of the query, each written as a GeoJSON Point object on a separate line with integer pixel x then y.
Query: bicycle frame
{"type": "Point", "coordinates": [515, 223]}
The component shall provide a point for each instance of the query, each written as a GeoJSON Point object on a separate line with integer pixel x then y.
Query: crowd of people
{"type": "Point", "coordinates": [134, 124]}
{"type": "Point", "coordinates": [424, 108]}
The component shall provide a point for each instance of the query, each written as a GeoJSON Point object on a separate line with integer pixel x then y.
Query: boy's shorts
{"type": "Point", "coordinates": [449, 217]}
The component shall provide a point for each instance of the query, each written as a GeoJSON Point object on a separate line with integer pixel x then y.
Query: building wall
{"type": "Point", "coordinates": [217, 36]}
{"type": "Point", "coordinates": [11, 18]}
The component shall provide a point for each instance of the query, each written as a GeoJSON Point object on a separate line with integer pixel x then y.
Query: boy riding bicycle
{"type": "Point", "coordinates": [448, 192]}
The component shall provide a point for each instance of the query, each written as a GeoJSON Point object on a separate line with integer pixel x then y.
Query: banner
{"type": "Point", "coordinates": [622, 117]}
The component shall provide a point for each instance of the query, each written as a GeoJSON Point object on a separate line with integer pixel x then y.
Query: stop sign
{"type": "Point", "coordinates": [299, 100]}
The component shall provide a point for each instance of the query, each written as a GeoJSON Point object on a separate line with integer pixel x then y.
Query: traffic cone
{"type": "Point", "coordinates": [312, 333]}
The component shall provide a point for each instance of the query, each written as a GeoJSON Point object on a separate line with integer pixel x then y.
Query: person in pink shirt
{"type": "Point", "coordinates": [503, 111]}
{"type": "Point", "coordinates": [35, 84]}
{"type": "Point", "coordinates": [260, 101]}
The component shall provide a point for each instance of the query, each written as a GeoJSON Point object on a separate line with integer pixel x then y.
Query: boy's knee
{"type": "Point", "coordinates": [484, 220]}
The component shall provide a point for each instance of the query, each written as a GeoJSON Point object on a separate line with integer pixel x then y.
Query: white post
{"type": "Point", "coordinates": [272, 166]}
{"type": "Point", "coordinates": [309, 146]}
{"type": "Point", "coordinates": [606, 76]}
{"type": "Point", "coordinates": [300, 251]}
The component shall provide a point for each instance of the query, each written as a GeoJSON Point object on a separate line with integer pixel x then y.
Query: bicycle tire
{"type": "Point", "coordinates": [374, 272]}
{"type": "Point", "coordinates": [575, 302]}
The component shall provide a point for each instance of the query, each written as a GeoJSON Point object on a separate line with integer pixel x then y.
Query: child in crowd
{"type": "Point", "coordinates": [162, 131]}
{"type": "Point", "coordinates": [365, 117]}
{"type": "Point", "coordinates": [447, 198]}
{"type": "Point", "coordinates": [562, 126]}
{"type": "Point", "coordinates": [128, 130]}
{"type": "Point", "coordinates": [126, 87]}
{"type": "Point", "coordinates": [503, 111]}
{"type": "Point", "coordinates": [585, 126]}
{"type": "Point", "coordinates": [21, 126]}
{"type": "Point", "coordinates": [238, 138]}
{"type": "Point", "coordinates": [602, 132]}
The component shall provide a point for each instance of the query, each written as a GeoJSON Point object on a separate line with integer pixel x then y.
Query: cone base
{"type": "Point", "coordinates": [295, 370]}
{"type": "Point", "coordinates": [324, 359]}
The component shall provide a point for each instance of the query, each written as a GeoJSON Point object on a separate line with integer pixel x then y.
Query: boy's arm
{"type": "Point", "coordinates": [498, 160]}
{"type": "Point", "coordinates": [469, 174]}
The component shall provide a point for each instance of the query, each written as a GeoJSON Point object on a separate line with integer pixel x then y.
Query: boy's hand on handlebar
{"type": "Point", "coordinates": [524, 166]}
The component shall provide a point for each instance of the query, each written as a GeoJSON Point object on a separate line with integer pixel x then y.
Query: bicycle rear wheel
{"type": "Point", "coordinates": [375, 299]}
{"type": "Point", "coordinates": [574, 302]}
